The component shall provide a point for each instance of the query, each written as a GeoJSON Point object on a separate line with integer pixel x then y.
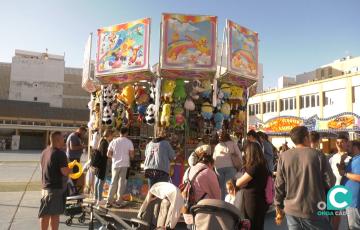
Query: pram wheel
{"type": "Point", "coordinates": [68, 222]}
{"type": "Point", "coordinates": [81, 218]}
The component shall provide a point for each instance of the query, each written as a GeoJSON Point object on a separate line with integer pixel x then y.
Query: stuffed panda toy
{"type": "Point", "coordinates": [108, 99]}
{"type": "Point", "coordinates": [150, 115]}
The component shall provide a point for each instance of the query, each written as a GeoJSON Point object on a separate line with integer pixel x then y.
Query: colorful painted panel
{"type": "Point", "coordinates": [242, 50]}
{"type": "Point", "coordinates": [345, 121]}
{"type": "Point", "coordinates": [123, 48]}
{"type": "Point", "coordinates": [281, 124]}
{"type": "Point", "coordinates": [188, 42]}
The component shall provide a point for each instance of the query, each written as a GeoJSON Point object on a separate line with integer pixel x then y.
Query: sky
{"type": "Point", "coordinates": [295, 36]}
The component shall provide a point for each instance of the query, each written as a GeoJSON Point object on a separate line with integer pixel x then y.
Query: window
{"type": "Point", "coordinates": [302, 104]}
{"type": "Point", "coordinates": [257, 108]}
{"type": "Point", "coordinates": [307, 101]}
{"type": "Point", "coordinates": [322, 73]}
{"type": "Point", "coordinates": [251, 110]}
{"type": "Point", "coordinates": [291, 103]}
{"type": "Point", "coordinates": [35, 98]}
{"type": "Point", "coordinates": [286, 104]}
{"type": "Point", "coordinates": [281, 105]}
{"type": "Point", "coordinates": [330, 71]}
{"type": "Point", "coordinates": [312, 101]}
{"type": "Point", "coordinates": [317, 100]}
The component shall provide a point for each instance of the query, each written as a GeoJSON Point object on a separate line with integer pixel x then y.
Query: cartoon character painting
{"type": "Point", "coordinates": [123, 47]}
{"type": "Point", "coordinates": [189, 40]}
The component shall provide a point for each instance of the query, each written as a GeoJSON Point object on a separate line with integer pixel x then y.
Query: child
{"type": "Point", "coordinates": [231, 190]}
{"type": "Point", "coordinates": [235, 194]}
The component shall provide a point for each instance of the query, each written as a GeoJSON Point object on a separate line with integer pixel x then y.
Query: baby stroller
{"type": "Point", "coordinates": [74, 204]}
{"type": "Point", "coordinates": [217, 214]}
{"type": "Point", "coordinates": [161, 209]}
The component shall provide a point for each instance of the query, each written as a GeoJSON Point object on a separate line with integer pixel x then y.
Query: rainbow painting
{"type": "Point", "coordinates": [243, 50]}
{"type": "Point", "coordinates": [188, 42]}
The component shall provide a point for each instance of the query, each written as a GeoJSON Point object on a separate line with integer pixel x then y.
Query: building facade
{"type": "Point", "coordinates": [324, 98]}
{"type": "Point", "coordinates": [38, 94]}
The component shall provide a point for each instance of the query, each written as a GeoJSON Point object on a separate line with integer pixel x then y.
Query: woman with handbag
{"type": "Point", "coordinates": [100, 163]}
{"type": "Point", "coordinates": [253, 184]}
{"type": "Point", "coordinates": [227, 157]}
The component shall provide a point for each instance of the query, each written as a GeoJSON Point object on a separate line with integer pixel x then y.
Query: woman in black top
{"type": "Point", "coordinates": [101, 162]}
{"type": "Point", "coordinates": [253, 183]}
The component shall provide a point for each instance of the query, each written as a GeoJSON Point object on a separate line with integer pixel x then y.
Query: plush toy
{"type": "Point", "coordinates": [195, 89]}
{"type": "Point", "coordinates": [127, 95]}
{"type": "Point", "coordinates": [142, 112]}
{"type": "Point", "coordinates": [179, 118]}
{"type": "Point", "coordinates": [141, 96]}
{"type": "Point", "coordinates": [207, 88]}
{"type": "Point", "coordinates": [108, 98]}
{"type": "Point", "coordinates": [152, 92]}
{"type": "Point", "coordinates": [225, 109]}
{"type": "Point", "coordinates": [220, 99]}
{"type": "Point", "coordinates": [236, 93]}
{"type": "Point", "coordinates": [150, 114]}
{"type": "Point", "coordinates": [107, 115]}
{"type": "Point", "coordinates": [119, 116]}
{"type": "Point", "coordinates": [225, 89]}
{"type": "Point", "coordinates": [236, 98]}
{"type": "Point", "coordinates": [218, 119]}
{"type": "Point", "coordinates": [165, 115]}
{"type": "Point", "coordinates": [237, 123]}
{"type": "Point", "coordinates": [179, 92]}
{"type": "Point", "coordinates": [189, 104]}
{"type": "Point", "coordinates": [206, 110]}
{"type": "Point", "coordinates": [167, 90]}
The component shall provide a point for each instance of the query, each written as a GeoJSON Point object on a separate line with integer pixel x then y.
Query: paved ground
{"type": "Point", "coordinates": [20, 193]}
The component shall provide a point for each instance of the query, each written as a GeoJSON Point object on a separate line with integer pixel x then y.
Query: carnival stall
{"type": "Point", "coordinates": [187, 92]}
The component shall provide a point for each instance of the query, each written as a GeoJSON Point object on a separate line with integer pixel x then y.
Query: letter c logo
{"type": "Point", "coordinates": [338, 198]}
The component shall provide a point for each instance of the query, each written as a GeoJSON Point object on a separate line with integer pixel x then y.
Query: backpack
{"type": "Point", "coordinates": [188, 192]}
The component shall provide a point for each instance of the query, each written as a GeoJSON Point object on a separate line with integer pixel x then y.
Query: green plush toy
{"type": "Point", "coordinates": [179, 92]}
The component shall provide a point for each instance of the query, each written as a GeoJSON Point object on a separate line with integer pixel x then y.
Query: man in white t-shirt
{"type": "Point", "coordinates": [342, 145]}
{"type": "Point", "coordinates": [120, 150]}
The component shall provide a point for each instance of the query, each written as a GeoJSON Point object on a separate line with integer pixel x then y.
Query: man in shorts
{"type": "Point", "coordinates": [53, 170]}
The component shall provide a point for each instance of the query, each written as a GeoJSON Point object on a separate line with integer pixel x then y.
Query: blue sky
{"type": "Point", "coordinates": [295, 36]}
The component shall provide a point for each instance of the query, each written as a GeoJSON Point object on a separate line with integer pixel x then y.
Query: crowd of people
{"type": "Point", "coordinates": [231, 168]}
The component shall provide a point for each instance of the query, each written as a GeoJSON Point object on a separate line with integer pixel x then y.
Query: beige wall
{"type": "Point", "coordinates": [5, 70]}
{"type": "Point", "coordinates": [74, 103]}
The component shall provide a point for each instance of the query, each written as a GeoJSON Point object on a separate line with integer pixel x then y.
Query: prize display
{"type": "Point", "coordinates": [182, 94]}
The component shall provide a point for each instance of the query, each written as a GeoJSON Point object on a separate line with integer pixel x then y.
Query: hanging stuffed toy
{"type": "Point", "coordinates": [119, 116]}
{"type": "Point", "coordinates": [165, 115]}
{"type": "Point", "coordinates": [179, 118]}
{"type": "Point", "coordinates": [152, 92]}
{"type": "Point", "coordinates": [225, 110]}
{"type": "Point", "coordinates": [141, 99]}
{"type": "Point", "coordinates": [218, 119]}
{"type": "Point", "coordinates": [167, 90]}
{"type": "Point", "coordinates": [236, 97]}
{"type": "Point", "coordinates": [127, 95]}
{"type": "Point", "coordinates": [206, 111]}
{"type": "Point", "coordinates": [225, 89]}
{"type": "Point", "coordinates": [179, 92]}
{"type": "Point", "coordinates": [195, 89]}
{"type": "Point", "coordinates": [237, 123]}
{"type": "Point", "coordinates": [189, 104]}
{"type": "Point", "coordinates": [108, 99]}
{"type": "Point", "coordinates": [141, 96]}
{"type": "Point", "coordinates": [150, 114]}
{"type": "Point", "coordinates": [207, 88]}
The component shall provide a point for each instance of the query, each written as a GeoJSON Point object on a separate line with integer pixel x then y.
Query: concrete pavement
{"type": "Point", "coordinates": [20, 193]}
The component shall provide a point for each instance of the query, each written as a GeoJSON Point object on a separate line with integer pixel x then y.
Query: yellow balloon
{"type": "Point", "coordinates": [77, 174]}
